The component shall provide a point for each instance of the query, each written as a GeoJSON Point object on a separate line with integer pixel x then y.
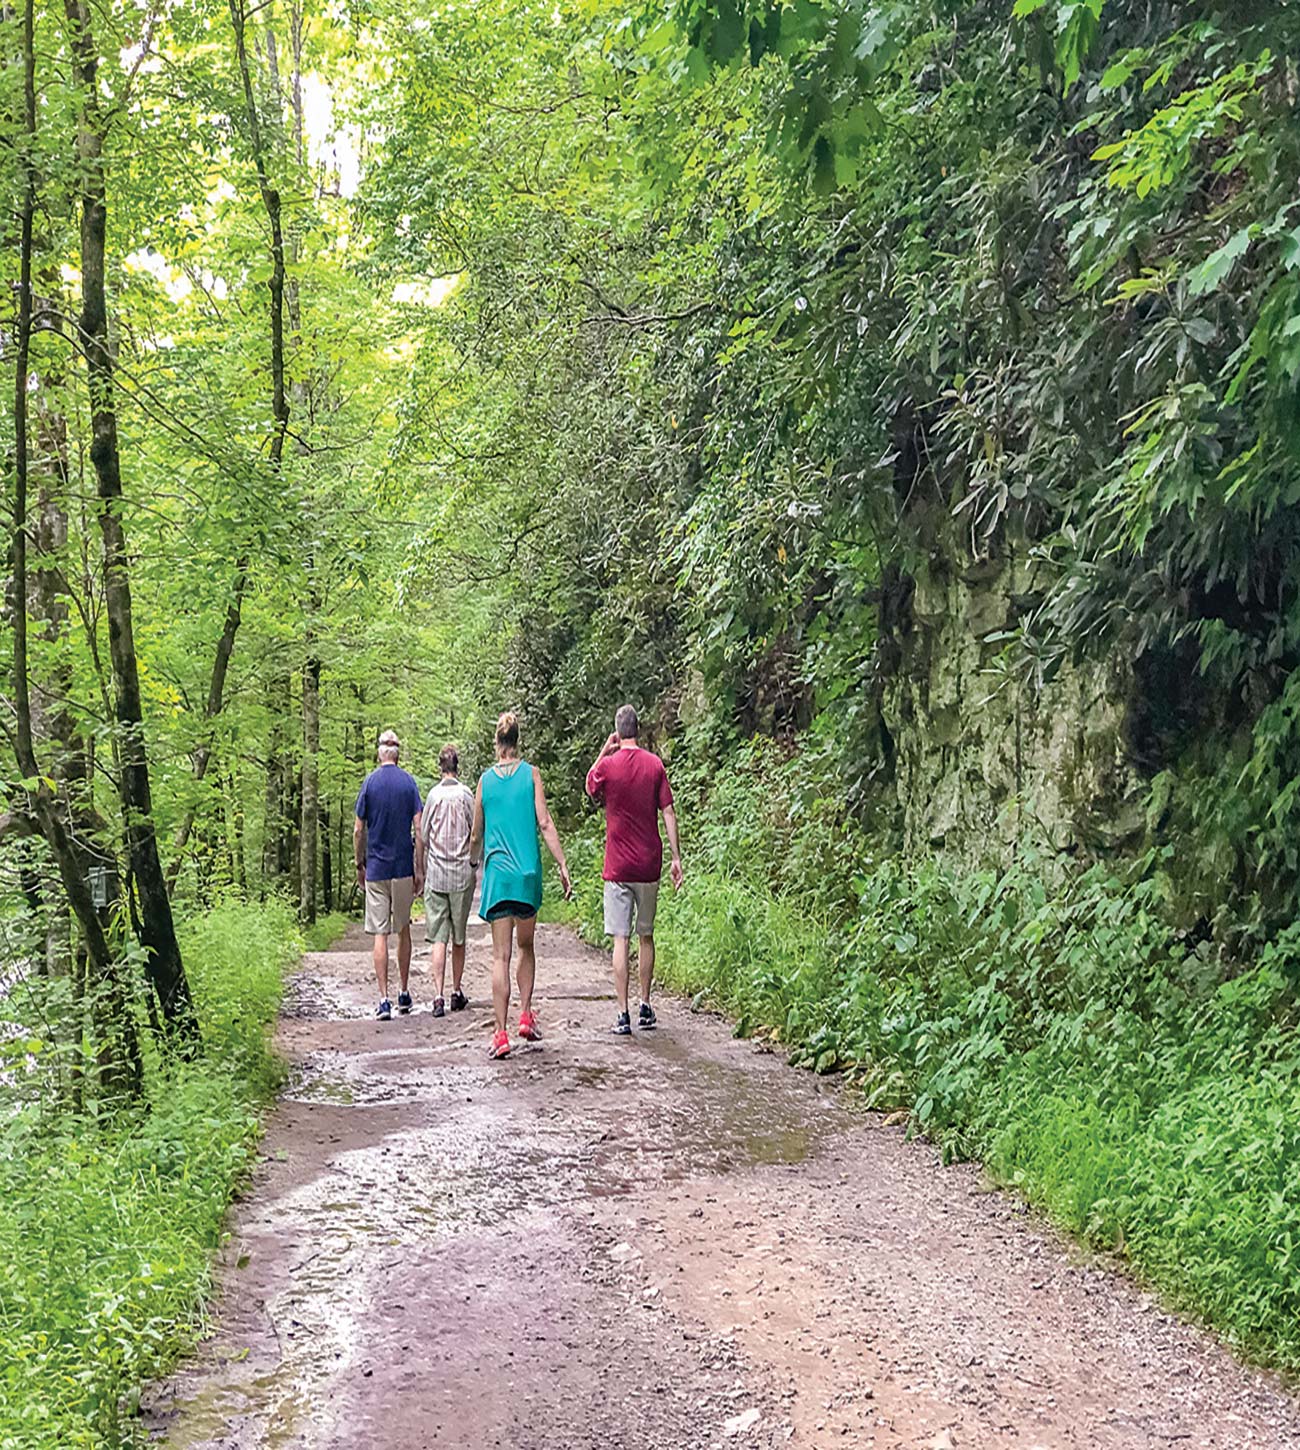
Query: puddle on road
{"type": "Point", "coordinates": [691, 1114]}
{"type": "Point", "coordinates": [734, 1119]}
{"type": "Point", "coordinates": [308, 996]}
{"type": "Point", "coordinates": [206, 1419]}
{"type": "Point", "coordinates": [317, 1089]}
{"type": "Point", "coordinates": [371, 1079]}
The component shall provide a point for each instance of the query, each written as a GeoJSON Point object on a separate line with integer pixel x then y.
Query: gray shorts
{"type": "Point", "coordinates": [388, 905]}
{"type": "Point", "coordinates": [446, 913]}
{"type": "Point", "coordinates": [625, 900]}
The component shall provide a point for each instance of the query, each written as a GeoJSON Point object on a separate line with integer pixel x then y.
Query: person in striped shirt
{"type": "Point", "coordinates": [448, 821]}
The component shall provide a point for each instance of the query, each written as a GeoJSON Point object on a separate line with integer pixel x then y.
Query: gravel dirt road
{"type": "Point", "coordinates": [668, 1241]}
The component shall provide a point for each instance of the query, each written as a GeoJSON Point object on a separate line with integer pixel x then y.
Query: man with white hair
{"type": "Point", "coordinates": [389, 852]}
{"type": "Point", "coordinates": [448, 877]}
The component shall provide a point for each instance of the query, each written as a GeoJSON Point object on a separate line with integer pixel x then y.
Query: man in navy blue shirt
{"type": "Point", "coordinates": [388, 848]}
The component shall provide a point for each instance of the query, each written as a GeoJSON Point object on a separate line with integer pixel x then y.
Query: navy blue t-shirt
{"type": "Point", "coordinates": [388, 803]}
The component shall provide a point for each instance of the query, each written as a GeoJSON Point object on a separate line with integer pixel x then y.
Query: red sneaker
{"type": "Point", "coordinates": [528, 1028]}
{"type": "Point", "coordinates": [500, 1045]}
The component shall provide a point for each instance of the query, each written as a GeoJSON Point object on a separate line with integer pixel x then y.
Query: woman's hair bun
{"type": "Point", "coordinates": [508, 729]}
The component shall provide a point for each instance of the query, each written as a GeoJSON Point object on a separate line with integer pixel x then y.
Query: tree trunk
{"type": "Point", "coordinates": [327, 863]}
{"type": "Point", "coordinates": [271, 204]}
{"type": "Point", "coordinates": [157, 929]}
{"type": "Point", "coordinates": [211, 709]}
{"type": "Point", "coordinates": [279, 402]}
{"type": "Point", "coordinates": [120, 1056]}
{"type": "Point", "coordinates": [235, 830]}
{"type": "Point", "coordinates": [310, 818]}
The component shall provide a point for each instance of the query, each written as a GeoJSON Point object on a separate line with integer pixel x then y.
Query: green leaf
{"type": "Point", "coordinates": [727, 33]}
{"type": "Point", "coordinates": [1208, 275]}
{"type": "Point", "coordinates": [1291, 250]}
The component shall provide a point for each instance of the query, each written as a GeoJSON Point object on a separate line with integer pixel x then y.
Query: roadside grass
{"type": "Point", "coordinates": [1142, 1092]}
{"type": "Point", "coordinates": [107, 1228]}
{"type": "Point", "coordinates": [326, 930]}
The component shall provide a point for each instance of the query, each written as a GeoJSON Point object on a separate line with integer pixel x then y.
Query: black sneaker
{"type": "Point", "coordinates": [647, 1019]}
{"type": "Point", "coordinates": [623, 1027]}
{"type": "Point", "coordinates": [404, 1003]}
{"type": "Point", "coordinates": [459, 1001]}
{"type": "Point", "coordinates": [439, 1007]}
{"type": "Point", "coordinates": [385, 1011]}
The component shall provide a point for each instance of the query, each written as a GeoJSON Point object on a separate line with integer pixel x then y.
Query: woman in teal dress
{"type": "Point", "coordinates": [509, 814]}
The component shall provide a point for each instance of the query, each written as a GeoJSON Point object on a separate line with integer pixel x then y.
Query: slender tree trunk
{"type": "Point", "coordinates": [271, 204]}
{"type": "Point", "coordinates": [327, 863]}
{"type": "Point", "coordinates": [280, 407]}
{"type": "Point", "coordinates": [273, 844]}
{"type": "Point", "coordinates": [211, 709]}
{"type": "Point", "coordinates": [310, 819]}
{"type": "Point", "coordinates": [235, 828]}
{"type": "Point", "coordinates": [341, 856]}
{"type": "Point", "coordinates": [157, 929]}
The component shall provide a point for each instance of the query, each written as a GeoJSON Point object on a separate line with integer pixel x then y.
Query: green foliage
{"type": "Point", "coordinates": [107, 1227]}
{"type": "Point", "coordinates": [728, 375]}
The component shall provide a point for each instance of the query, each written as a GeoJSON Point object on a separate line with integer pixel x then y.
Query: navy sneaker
{"type": "Point", "coordinates": [647, 1019]}
{"type": "Point", "coordinates": [404, 1003]}
{"type": "Point", "coordinates": [623, 1027]}
{"type": "Point", "coordinates": [385, 1011]}
{"type": "Point", "coordinates": [459, 1001]}
{"type": "Point", "coordinates": [439, 1007]}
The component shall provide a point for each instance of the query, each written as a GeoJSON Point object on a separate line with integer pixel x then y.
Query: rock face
{"type": "Point", "coordinates": [986, 757]}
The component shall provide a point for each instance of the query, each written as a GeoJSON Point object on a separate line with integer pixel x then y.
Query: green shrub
{"type": "Point", "coordinates": [325, 931]}
{"type": "Point", "coordinates": [107, 1228]}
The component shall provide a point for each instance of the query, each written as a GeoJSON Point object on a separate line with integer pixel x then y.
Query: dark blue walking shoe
{"type": "Point", "coordinates": [385, 1011]}
{"type": "Point", "coordinates": [403, 1002]}
{"type": "Point", "coordinates": [623, 1027]}
{"type": "Point", "coordinates": [647, 1020]}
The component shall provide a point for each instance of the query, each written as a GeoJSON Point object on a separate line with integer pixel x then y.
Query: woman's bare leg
{"type": "Point", "coordinates": [502, 936]}
{"type": "Point", "coordinates": [527, 969]}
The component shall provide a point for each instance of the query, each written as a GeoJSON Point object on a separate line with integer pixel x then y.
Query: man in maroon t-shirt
{"type": "Point", "coordinates": [632, 785]}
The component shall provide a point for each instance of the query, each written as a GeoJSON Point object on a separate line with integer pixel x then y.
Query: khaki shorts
{"type": "Point", "coordinates": [388, 905]}
{"type": "Point", "coordinates": [445, 915]}
{"type": "Point", "coordinates": [626, 899]}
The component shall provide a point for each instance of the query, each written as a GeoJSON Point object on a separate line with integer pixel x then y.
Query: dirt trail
{"type": "Point", "coordinates": [669, 1241]}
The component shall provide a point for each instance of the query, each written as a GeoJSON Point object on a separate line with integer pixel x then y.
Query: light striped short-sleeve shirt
{"type": "Point", "coordinates": [448, 824]}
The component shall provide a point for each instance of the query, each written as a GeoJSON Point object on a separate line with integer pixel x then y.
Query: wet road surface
{"type": "Point", "coordinates": [667, 1241]}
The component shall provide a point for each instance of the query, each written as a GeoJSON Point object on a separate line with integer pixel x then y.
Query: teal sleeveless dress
{"type": "Point", "coordinates": [512, 854]}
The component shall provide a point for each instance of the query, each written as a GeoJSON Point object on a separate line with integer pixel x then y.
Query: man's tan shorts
{"type": "Point", "coordinates": [388, 905]}
{"type": "Point", "coordinates": [446, 913]}
{"type": "Point", "coordinates": [627, 899]}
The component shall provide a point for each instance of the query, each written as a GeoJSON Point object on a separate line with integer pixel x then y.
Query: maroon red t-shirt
{"type": "Point", "coordinates": [633, 785]}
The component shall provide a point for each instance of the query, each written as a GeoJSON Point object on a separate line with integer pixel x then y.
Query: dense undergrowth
{"type": "Point", "coordinates": [107, 1227]}
{"type": "Point", "coordinates": [1131, 1082]}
